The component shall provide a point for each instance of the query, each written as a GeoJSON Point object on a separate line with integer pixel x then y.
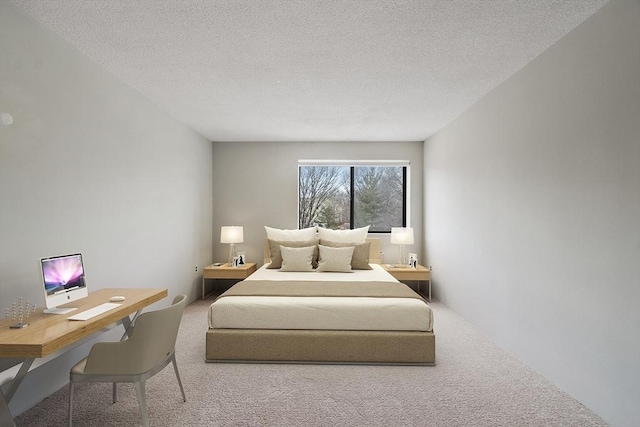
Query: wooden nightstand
{"type": "Point", "coordinates": [226, 272]}
{"type": "Point", "coordinates": [419, 274]}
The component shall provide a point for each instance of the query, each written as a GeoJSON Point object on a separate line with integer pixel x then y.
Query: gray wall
{"type": "Point", "coordinates": [533, 213]}
{"type": "Point", "coordinates": [256, 184]}
{"type": "Point", "coordinates": [90, 165]}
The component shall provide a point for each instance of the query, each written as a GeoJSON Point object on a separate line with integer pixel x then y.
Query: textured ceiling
{"type": "Point", "coordinates": [313, 70]}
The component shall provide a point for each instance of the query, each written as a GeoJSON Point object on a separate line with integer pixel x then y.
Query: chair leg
{"type": "Point", "coordinates": [175, 368]}
{"type": "Point", "coordinates": [115, 393]}
{"type": "Point", "coordinates": [70, 403]}
{"type": "Point", "coordinates": [140, 385]}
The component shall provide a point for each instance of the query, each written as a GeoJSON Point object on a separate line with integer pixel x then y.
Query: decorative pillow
{"type": "Point", "coordinates": [297, 259]}
{"type": "Point", "coordinates": [360, 258]}
{"type": "Point", "coordinates": [305, 234]}
{"type": "Point", "coordinates": [335, 259]}
{"type": "Point", "coordinates": [357, 235]}
{"type": "Point", "coordinates": [276, 253]}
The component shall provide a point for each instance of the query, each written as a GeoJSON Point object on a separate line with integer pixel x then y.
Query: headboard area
{"type": "Point", "coordinates": [374, 251]}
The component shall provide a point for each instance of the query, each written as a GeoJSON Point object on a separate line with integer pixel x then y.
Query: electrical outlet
{"type": "Point", "coordinates": [430, 268]}
{"type": "Point", "coordinates": [196, 268]}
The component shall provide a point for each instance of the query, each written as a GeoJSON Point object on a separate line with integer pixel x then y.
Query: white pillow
{"type": "Point", "coordinates": [297, 259]}
{"type": "Point", "coordinates": [291, 235]}
{"type": "Point", "coordinates": [335, 259]}
{"type": "Point", "coordinates": [357, 235]}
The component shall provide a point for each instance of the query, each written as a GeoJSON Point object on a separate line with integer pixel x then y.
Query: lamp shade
{"type": "Point", "coordinates": [402, 235]}
{"type": "Point", "coordinates": [231, 234]}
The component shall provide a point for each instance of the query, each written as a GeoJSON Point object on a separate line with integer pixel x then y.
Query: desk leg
{"type": "Point", "coordinates": [127, 323]}
{"type": "Point", "coordinates": [15, 383]}
{"type": "Point", "coordinates": [5, 414]}
{"type": "Point", "coordinates": [6, 420]}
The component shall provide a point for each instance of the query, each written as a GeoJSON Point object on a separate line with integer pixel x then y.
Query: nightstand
{"type": "Point", "coordinates": [419, 274]}
{"type": "Point", "coordinates": [224, 271]}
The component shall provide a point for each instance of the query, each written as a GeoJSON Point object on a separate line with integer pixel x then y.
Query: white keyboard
{"type": "Point", "coordinates": [95, 311]}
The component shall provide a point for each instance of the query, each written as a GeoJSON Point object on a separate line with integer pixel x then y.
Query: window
{"type": "Point", "coordinates": [345, 195]}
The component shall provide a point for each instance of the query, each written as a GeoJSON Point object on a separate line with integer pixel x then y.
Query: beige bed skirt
{"type": "Point", "coordinates": [320, 346]}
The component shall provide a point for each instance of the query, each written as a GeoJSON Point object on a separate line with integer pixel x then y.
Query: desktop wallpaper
{"type": "Point", "coordinates": [62, 273]}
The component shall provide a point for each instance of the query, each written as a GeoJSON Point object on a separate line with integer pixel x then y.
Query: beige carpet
{"type": "Point", "coordinates": [474, 383]}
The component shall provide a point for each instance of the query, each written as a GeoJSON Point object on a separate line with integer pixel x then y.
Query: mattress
{"type": "Point", "coordinates": [321, 313]}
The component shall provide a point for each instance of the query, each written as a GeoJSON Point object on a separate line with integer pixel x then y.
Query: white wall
{"type": "Point", "coordinates": [90, 165]}
{"type": "Point", "coordinates": [532, 213]}
{"type": "Point", "coordinates": [256, 184]}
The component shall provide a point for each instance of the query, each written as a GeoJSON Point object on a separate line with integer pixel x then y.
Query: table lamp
{"type": "Point", "coordinates": [231, 234]}
{"type": "Point", "coordinates": [402, 236]}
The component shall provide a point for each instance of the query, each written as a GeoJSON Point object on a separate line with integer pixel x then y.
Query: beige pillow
{"type": "Point", "coordinates": [335, 259]}
{"type": "Point", "coordinates": [297, 259]}
{"type": "Point", "coordinates": [360, 257]}
{"type": "Point", "coordinates": [303, 235]}
{"type": "Point", "coordinates": [357, 235]}
{"type": "Point", "coordinates": [276, 255]}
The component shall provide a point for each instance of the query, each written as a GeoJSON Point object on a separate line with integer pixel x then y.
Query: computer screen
{"type": "Point", "coordinates": [64, 281]}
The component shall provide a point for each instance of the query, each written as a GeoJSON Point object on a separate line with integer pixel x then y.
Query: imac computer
{"type": "Point", "coordinates": [64, 281]}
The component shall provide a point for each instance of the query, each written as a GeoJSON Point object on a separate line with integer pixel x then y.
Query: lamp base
{"type": "Point", "coordinates": [402, 257]}
{"type": "Point", "coordinates": [232, 254]}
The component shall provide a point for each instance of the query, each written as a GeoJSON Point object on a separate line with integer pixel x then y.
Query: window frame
{"type": "Point", "coordinates": [352, 164]}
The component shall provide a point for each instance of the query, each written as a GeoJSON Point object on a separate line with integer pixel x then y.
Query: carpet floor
{"type": "Point", "coordinates": [474, 383]}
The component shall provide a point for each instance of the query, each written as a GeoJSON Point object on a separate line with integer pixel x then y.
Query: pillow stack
{"type": "Point", "coordinates": [330, 250]}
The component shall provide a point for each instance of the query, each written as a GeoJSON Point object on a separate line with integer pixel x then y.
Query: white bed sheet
{"type": "Point", "coordinates": [321, 313]}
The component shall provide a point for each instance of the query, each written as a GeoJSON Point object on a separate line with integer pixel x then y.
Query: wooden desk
{"type": "Point", "coordinates": [421, 273]}
{"type": "Point", "coordinates": [49, 333]}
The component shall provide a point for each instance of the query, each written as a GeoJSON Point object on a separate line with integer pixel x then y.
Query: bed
{"type": "Point", "coordinates": [358, 316]}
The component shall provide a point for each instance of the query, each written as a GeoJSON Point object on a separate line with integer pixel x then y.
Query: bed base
{"type": "Point", "coordinates": [320, 346]}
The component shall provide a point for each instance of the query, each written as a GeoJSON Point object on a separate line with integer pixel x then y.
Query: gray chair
{"type": "Point", "coordinates": [149, 348]}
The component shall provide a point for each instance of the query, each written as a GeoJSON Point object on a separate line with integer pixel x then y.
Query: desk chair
{"type": "Point", "coordinates": [149, 348]}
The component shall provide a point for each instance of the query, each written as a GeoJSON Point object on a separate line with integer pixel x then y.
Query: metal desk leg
{"type": "Point", "coordinates": [15, 383]}
{"type": "Point", "coordinates": [127, 323]}
{"type": "Point", "coordinates": [5, 398]}
{"type": "Point", "coordinates": [6, 420]}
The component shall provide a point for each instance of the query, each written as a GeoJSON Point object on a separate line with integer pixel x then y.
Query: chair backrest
{"type": "Point", "coordinates": [154, 334]}
{"type": "Point", "coordinates": [150, 342]}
